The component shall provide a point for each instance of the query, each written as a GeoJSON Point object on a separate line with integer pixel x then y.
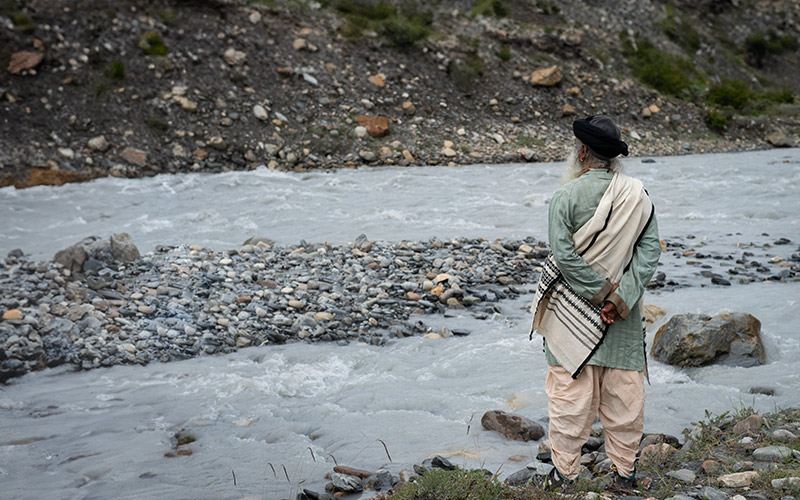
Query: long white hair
{"type": "Point", "coordinates": [574, 165]}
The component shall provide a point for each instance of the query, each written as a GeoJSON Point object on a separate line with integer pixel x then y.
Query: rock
{"type": "Point", "coordinates": [13, 314]}
{"type": "Point", "coordinates": [512, 426]}
{"type": "Point", "coordinates": [122, 248]}
{"type": "Point", "coordinates": [683, 475]}
{"type": "Point", "coordinates": [300, 44]}
{"type": "Point", "coordinates": [367, 155]}
{"type": "Point", "coordinates": [377, 126]}
{"type": "Point", "coordinates": [527, 154]}
{"type": "Point", "coordinates": [546, 77]}
{"type": "Point", "coordinates": [234, 57]}
{"type": "Point", "coordinates": [520, 477]}
{"type": "Point", "coordinates": [780, 140]}
{"type": "Point", "coordinates": [378, 80]}
{"type": "Point", "coordinates": [653, 313]}
{"type": "Point", "coordinates": [254, 17]}
{"type": "Point", "coordinates": [361, 132]}
{"type": "Point", "coordinates": [258, 241]}
{"type": "Point", "coordinates": [772, 454]}
{"type": "Point", "coordinates": [449, 152]}
{"type": "Point", "coordinates": [67, 153]}
{"type": "Point", "coordinates": [352, 471]}
{"type": "Point", "coordinates": [186, 103]}
{"type": "Point", "coordinates": [656, 455]}
{"type": "Point", "coordinates": [783, 436]}
{"type": "Point", "coordinates": [344, 482]}
{"type": "Point", "coordinates": [709, 493]}
{"type": "Point", "coordinates": [646, 113]}
{"type": "Point", "coordinates": [134, 156]}
{"type": "Point", "coordinates": [738, 479]}
{"type": "Point", "coordinates": [567, 110]}
{"type": "Point", "coordinates": [784, 483]}
{"type": "Point", "coordinates": [217, 142]}
{"type": "Point", "coordinates": [697, 340]}
{"type": "Point", "coordinates": [408, 156]}
{"type": "Point", "coordinates": [260, 112]}
{"type": "Point", "coordinates": [440, 462]}
{"type": "Point", "coordinates": [408, 108]}
{"type": "Point", "coordinates": [653, 109]}
{"type": "Point", "coordinates": [99, 144]}
{"type": "Point", "coordinates": [750, 425]}
{"type": "Point", "coordinates": [25, 60]}
{"type": "Point", "coordinates": [712, 467]}
{"type": "Point", "coordinates": [72, 258]}
{"type": "Point", "coordinates": [145, 309]}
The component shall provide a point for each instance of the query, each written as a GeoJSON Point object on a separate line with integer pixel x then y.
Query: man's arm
{"type": "Point", "coordinates": [643, 266]}
{"type": "Point", "coordinates": [578, 273]}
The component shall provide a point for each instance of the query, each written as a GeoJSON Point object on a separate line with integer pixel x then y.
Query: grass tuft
{"type": "Point", "coordinates": [152, 44]}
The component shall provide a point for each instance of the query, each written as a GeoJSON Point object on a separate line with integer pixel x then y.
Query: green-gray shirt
{"type": "Point", "coordinates": [571, 206]}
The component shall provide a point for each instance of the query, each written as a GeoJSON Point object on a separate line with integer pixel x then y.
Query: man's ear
{"type": "Point", "coordinates": [583, 152]}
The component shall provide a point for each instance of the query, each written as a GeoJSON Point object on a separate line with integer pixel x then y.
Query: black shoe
{"type": "Point", "coordinates": [624, 483]}
{"type": "Point", "coordinates": [554, 481]}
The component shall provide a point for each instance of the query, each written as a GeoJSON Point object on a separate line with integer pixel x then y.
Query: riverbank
{"type": "Point", "coordinates": [214, 86]}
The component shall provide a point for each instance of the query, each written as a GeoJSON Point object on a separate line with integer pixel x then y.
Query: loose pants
{"type": "Point", "coordinates": [618, 395]}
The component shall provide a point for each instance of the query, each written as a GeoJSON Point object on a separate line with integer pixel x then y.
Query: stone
{"type": "Point", "coordinates": [254, 17]}
{"type": "Point", "coordinates": [709, 493]}
{"type": "Point", "coordinates": [656, 455]}
{"type": "Point", "coordinates": [186, 103]}
{"type": "Point", "coordinates": [784, 483]}
{"type": "Point", "coordinates": [520, 477]}
{"type": "Point", "coordinates": [377, 126]}
{"type": "Point", "coordinates": [646, 113]}
{"type": "Point", "coordinates": [144, 309]}
{"type": "Point", "coordinates": [527, 154]}
{"type": "Point", "coordinates": [512, 426]}
{"type": "Point", "coordinates": [567, 110]}
{"type": "Point", "coordinates": [344, 482]}
{"type": "Point", "coordinates": [378, 80]}
{"type": "Point", "coordinates": [712, 467]}
{"type": "Point", "coordinates": [738, 479]}
{"type": "Point", "coordinates": [13, 314]}
{"type": "Point", "coordinates": [361, 132]}
{"type": "Point", "coordinates": [99, 144]}
{"type": "Point", "coordinates": [683, 475]}
{"type": "Point", "coordinates": [122, 248]}
{"type": "Point", "coordinates": [780, 140]}
{"type": "Point", "coordinates": [772, 454]}
{"type": "Point", "coordinates": [217, 143]}
{"type": "Point", "coordinates": [296, 304]}
{"type": "Point", "coordinates": [134, 156]}
{"type": "Point", "coordinates": [260, 112]}
{"type": "Point", "coordinates": [546, 77]}
{"type": "Point", "coordinates": [300, 44]}
{"type": "Point", "coordinates": [698, 340]}
{"type": "Point", "coordinates": [408, 156]}
{"type": "Point", "coordinates": [72, 258]}
{"type": "Point", "coordinates": [653, 313]}
{"type": "Point", "coordinates": [352, 471]}
{"type": "Point", "coordinates": [654, 109]}
{"type": "Point", "coordinates": [24, 60]}
{"type": "Point", "coordinates": [449, 152]}
{"type": "Point", "coordinates": [749, 425]}
{"type": "Point", "coordinates": [784, 436]}
{"type": "Point", "coordinates": [367, 155]}
{"type": "Point", "coordinates": [234, 57]}
{"type": "Point", "coordinates": [408, 108]}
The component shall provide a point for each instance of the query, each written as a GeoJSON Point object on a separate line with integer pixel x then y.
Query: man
{"type": "Point", "coordinates": [605, 248]}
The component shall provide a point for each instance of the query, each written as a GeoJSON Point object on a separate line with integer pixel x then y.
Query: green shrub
{"type": "Point", "coordinates": [547, 7]}
{"type": "Point", "coordinates": [22, 22]}
{"type": "Point", "coordinates": [664, 72]}
{"type": "Point", "coordinates": [402, 33]}
{"type": "Point", "coordinates": [494, 8]}
{"type": "Point", "coordinates": [784, 96]}
{"type": "Point", "coordinates": [504, 53]}
{"type": "Point", "coordinates": [459, 484]}
{"type": "Point", "coordinates": [168, 16]}
{"type": "Point", "coordinates": [758, 46]}
{"type": "Point", "coordinates": [152, 44]}
{"type": "Point", "coordinates": [733, 93]}
{"type": "Point", "coordinates": [465, 72]}
{"type": "Point", "coordinates": [116, 70]}
{"type": "Point", "coordinates": [681, 32]}
{"type": "Point", "coordinates": [716, 120]}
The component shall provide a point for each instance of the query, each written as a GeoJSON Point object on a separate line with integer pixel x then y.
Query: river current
{"type": "Point", "coordinates": [104, 433]}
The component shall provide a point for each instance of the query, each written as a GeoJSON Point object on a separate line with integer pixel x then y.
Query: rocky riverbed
{"type": "Point", "coordinates": [99, 303]}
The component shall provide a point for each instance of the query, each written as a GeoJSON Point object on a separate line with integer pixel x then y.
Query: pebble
{"type": "Point", "coordinates": [772, 453]}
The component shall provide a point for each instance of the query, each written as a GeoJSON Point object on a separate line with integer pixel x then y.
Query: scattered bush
{"type": "Point", "coordinates": [680, 31]}
{"type": "Point", "coordinates": [733, 93]}
{"type": "Point", "coordinates": [504, 53]}
{"type": "Point", "coordinates": [758, 46]}
{"type": "Point", "coordinates": [453, 485]}
{"type": "Point", "coordinates": [494, 8]}
{"type": "Point", "coordinates": [547, 8]}
{"type": "Point", "coordinates": [401, 28]}
{"type": "Point", "coordinates": [465, 72]}
{"type": "Point", "coordinates": [116, 70]}
{"type": "Point", "coordinates": [716, 120]}
{"type": "Point", "coordinates": [402, 33]}
{"type": "Point", "coordinates": [152, 44]}
{"type": "Point", "coordinates": [664, 72]}
{"type": "Point", "coordinates": [22, 22]}
{"type": "Point", "coordinates": [784, 96]}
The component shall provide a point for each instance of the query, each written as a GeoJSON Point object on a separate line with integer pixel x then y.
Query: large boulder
{"type": "Point", "coordinates": [697, 340]}
{"type": "Point", "coordinates": [92, 250]}
{"type": "Point", "coordinates": [512, 426]}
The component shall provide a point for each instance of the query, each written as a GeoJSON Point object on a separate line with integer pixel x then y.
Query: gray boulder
{"type": "Point", "coordinates": [122, 248]}
{"type": "Point", "coordinates": [512, 426]}
{"type": "Point", "coordinates": [94, 250]}
{"type": "Point", "coordinates": [697, 340]}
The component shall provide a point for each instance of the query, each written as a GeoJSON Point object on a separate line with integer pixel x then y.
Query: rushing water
{"type": "Point", "coordinates": [104, 433]}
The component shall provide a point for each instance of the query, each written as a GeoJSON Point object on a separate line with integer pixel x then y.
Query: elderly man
{"type": "Point", "coordinates": [605, 248]}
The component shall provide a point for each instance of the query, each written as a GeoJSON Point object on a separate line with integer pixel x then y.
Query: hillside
{"type": "Point", "coordinates": [138, 87]}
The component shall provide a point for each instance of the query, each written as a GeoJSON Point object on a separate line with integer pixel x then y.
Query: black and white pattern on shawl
{"type": "Point", "coordinates": [575, 312]}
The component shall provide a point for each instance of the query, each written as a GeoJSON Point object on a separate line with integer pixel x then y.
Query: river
{"type": "Point", "coordinates": [104, 433]}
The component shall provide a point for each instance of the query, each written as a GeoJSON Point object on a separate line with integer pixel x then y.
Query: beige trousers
{"type": "Point", "coordinates": [617, 394]}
